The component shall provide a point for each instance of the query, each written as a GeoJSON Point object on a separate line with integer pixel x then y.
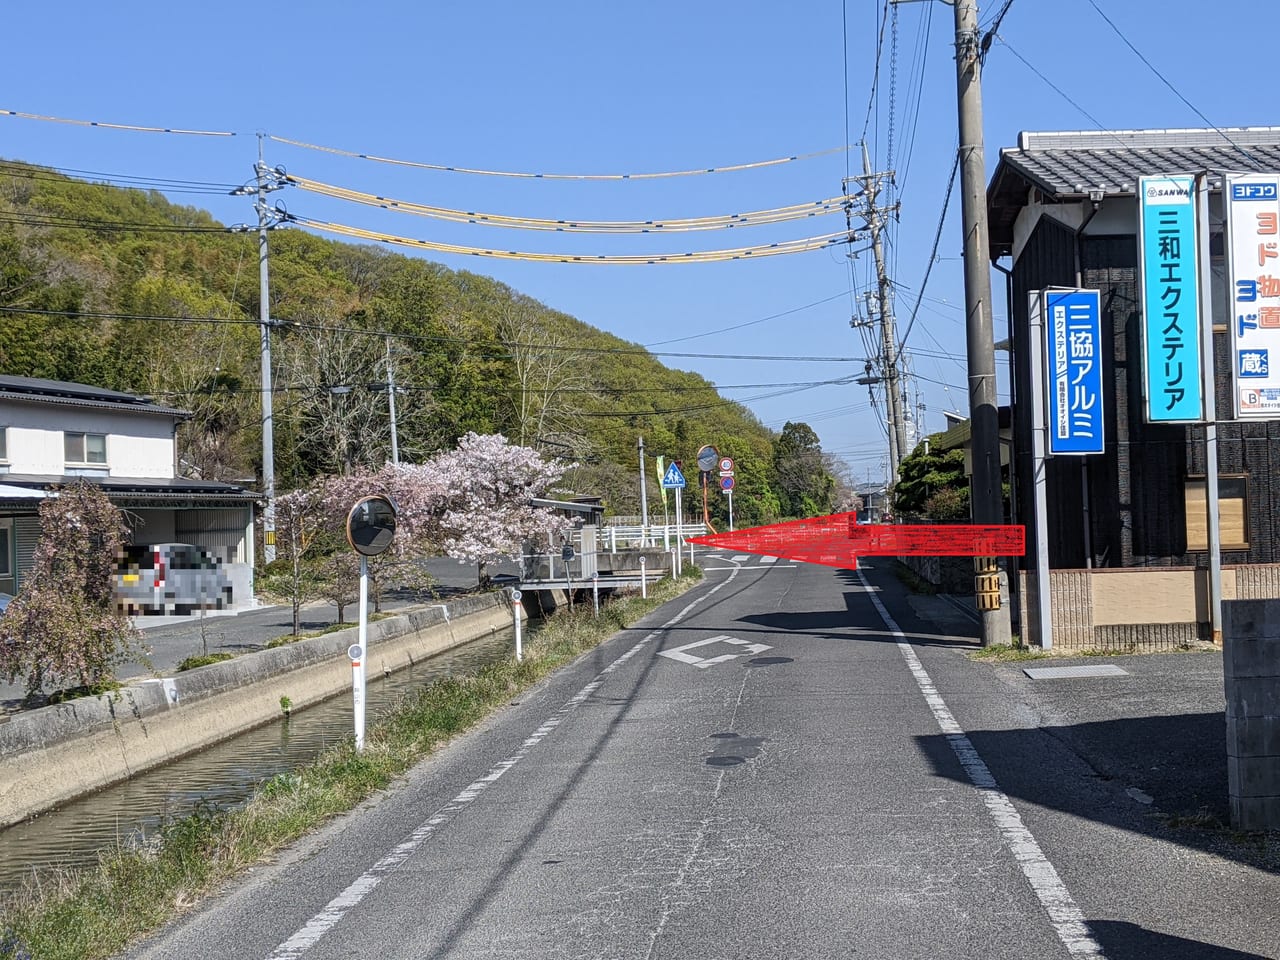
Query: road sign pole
{"type": "Point", "coordinates": [679, 527]}
{"type": "Point", "coordinates": [364, 645]}
{"type": "Point", "coordinates": [1039, 471]}
{"type": "Point", "coordinates": [731, 509]}
{"type": "Point", "coordinates": [1208, 371]}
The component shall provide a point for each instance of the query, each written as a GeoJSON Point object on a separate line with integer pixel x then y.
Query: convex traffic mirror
{"type": "Point", "coordinates": [371, 526]}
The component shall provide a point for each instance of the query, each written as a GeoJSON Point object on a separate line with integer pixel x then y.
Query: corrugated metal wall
{"type": "Point", "coordinates": [223, 529]}
{"type": "Point", "coordinates": [26, 531]}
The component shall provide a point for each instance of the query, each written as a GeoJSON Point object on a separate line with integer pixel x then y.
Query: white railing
{"type": "Point", "coordinates": [634, 535]}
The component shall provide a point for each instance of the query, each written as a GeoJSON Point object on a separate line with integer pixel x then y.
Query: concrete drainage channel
{"type": "Point", "coordinates": [211, 734]}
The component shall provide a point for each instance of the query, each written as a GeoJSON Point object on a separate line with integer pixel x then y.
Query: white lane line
{"type": "Point", "coordinates": [768, 559]}
{"type": "Point", "coordinates": [1068, 922]}
{"type": "Point", "coordinates": [337, 908]}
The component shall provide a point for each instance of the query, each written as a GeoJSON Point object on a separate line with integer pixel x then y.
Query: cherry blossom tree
{"type": "Point", "coordinates": [487, 514]}
{"type": "Point", "coordinates": [471, 503]}
{"type": "Point", "coordinates": [302, 533]}
{"type": "Point", "coordinates": [63, 628]}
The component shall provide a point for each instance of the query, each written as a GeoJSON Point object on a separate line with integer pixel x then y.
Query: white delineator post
{"type": "Point", "coordinates": [644, 581]}
{"type": "Point", "coordinates": [357, 693]}
{"type": "Point", "coordinates": [515, 617]}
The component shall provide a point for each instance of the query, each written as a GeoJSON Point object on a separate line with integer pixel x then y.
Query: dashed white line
{"type": "Point", "coordinates": [337, 908]}
{"type": "Point", "coordinates": [1068, 922]}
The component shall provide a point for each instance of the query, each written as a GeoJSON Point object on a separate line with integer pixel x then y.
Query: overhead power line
{"type": "Point", "coordinates": [449, 168]}
{"type": "Point", "coordinates": [1163, 79]}
{"type": "Point", "coordinates": [933, 254]}
{"type": "Point", "coordinates": [116, 126]}
{"type": "Point", "coordinates": [748, 323]}
{"type": "Point", "coordinates": [702, 256]}
{"type": "Point", "coordinates": [84, 223]}
{"type": "Point", "coordinates": [27, 171]}
{"type": "Point", "coordinates": [797, 211]}
{"type": "Point", "coordinates": [411, 337]}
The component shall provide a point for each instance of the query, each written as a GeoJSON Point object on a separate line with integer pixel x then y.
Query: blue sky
{"type": "Point", "coordinates": [593, 88]}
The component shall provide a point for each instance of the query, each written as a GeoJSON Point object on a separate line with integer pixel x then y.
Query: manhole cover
{"type": "Point", "coordinates": [1067, 673]}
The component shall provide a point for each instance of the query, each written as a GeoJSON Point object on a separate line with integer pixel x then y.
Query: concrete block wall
{"type": "Point", "coordinates": [1251, 678]}
{"type": "Point", "coordinates": [57, 753]}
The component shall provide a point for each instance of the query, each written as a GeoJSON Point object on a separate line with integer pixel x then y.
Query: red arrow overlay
{"type": "Point", "coordinates": [823, 540]}
{"type": "Point", "coordinates": [838, 540]}
{"type": "Point", "coordinates": [938, 540]}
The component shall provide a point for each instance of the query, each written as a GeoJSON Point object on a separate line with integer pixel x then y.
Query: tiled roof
{"type": "Point", "coordinates": [1073, 165]}
{"type": "Point", "coordinates": [147, 487]}
{"type": "Point", "coordinates": [37, 390]}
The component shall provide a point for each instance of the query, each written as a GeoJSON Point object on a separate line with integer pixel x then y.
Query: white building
{"type": "Point", "coordinates": [52, 432]}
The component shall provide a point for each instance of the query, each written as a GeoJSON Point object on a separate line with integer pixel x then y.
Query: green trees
{"type": "Point", "coordinates": [932, 484]}
{"type": "Point", "coordinates": [805, 487]}
{"type": "Point", "coordinates": [470, 354]}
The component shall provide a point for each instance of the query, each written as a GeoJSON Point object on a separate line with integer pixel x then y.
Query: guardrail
{"type": "Point", "coordinates": [636, 535]}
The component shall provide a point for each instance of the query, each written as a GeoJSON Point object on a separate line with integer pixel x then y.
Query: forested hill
{"type": "Point", "coordinates": [123, 289]}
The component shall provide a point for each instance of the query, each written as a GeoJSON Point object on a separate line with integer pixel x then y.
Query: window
{"type": "Point", "coordinates": [1233, 513]}
{"type": "Point", "coordinates": [85, 447]}
{"type": "Point", "coordinates": [4, 443]}
{"type": "Point", "coordinates": [6, 562]}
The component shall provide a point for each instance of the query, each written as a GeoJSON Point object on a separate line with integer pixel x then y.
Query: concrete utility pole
{"type": "Point", "coordinates": [984, 418]}
{"type": "Point", "coordinates": [391, 406]}
{"type": "Point", "coordinates": [266, 180]}
{"type": "Point", "coordinates": [874, 217]}
{"type": "Point", "coordinates": [888, 329]}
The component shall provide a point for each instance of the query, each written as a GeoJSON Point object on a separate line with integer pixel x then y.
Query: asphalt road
{"type": "Point", "coordinates": [788, 763]}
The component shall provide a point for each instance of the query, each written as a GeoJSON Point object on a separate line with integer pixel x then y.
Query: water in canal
{"type": "Point", "coordinates": [224, 774]}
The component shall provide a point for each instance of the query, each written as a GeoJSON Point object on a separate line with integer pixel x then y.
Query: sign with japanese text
{"type": "Point", "coordinates": [1073, 334]}
{"type": "Point", "coordinates": [1253, 272]}
{"type": "Point", "coordinates": [1170, 292]}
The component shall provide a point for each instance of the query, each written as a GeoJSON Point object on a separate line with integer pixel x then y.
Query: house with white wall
{"type": "Point", "coordinates": [52, 432]}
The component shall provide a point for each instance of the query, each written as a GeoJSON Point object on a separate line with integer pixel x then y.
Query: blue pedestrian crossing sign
{"type": "Point", "coordinates": [672, 478]}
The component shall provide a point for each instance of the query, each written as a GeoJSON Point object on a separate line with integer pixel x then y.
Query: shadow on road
{"type": "Point", "coordinates": [1128, 941]}
{"type": "Point", "coordinates": [1168, 777]}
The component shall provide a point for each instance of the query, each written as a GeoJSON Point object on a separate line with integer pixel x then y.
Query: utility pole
{"type": "Point", "coordinates": [266, 180]}
{"type": "Point", "coordinates": [391, 405]}
{"type": "Point", "coordinates": [984, 418]}
{"type": "Point", "coordinates": [889, 340]}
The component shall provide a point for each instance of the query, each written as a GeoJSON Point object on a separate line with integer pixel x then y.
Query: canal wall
{"type": "Point", "coordinates": [54, 754]}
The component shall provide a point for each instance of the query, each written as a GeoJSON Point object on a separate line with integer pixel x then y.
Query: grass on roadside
{"type": "Point", "coordinates": [202, 660]}
{"type": "Point", "coordinates": [96, 912]}
{"type": "Point", "coordinates": [289, 638]}
{"type": "Point", "coordinates": [1008, 652]}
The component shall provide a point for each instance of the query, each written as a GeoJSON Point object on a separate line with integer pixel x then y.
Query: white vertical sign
{"type": "Point", "coordinates": [1253, 270]}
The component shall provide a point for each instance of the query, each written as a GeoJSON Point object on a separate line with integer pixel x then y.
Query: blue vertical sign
{"type": "Point", "coordinates": [1073, 333]}
{"type": "Point", "coordinates": [1171, 378]}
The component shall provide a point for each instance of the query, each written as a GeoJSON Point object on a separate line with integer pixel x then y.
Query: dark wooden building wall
{"type": "Point", "coordinates": [1136, 489]}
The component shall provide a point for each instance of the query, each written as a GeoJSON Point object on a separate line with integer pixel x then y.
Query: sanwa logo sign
{"type": "Point", "coordinates": [1167, 192]}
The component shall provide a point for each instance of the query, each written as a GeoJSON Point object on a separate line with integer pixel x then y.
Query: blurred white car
{"type": "Point", "coordinates": [170, 578]}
